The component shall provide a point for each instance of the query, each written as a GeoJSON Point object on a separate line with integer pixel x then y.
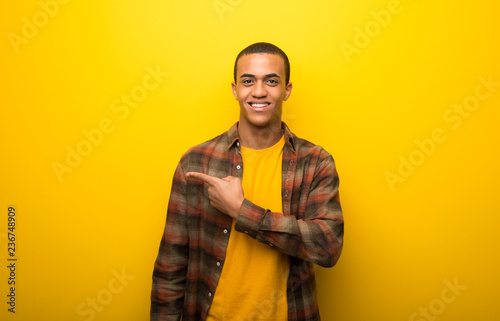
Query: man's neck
{"type": "Point", "coordinates": [259, 137]}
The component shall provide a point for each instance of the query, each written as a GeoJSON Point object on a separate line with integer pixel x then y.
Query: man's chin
{"type": "Point", "coordinates": [260, 121]}
{"type": "Point", "coordinates": [265, 124]}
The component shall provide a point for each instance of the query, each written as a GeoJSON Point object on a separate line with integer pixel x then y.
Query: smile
{"type": "Point", "coordinates": [259, 106]}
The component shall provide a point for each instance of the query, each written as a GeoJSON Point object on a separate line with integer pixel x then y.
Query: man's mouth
{"type": "Point", "coordinates": [259, 106]}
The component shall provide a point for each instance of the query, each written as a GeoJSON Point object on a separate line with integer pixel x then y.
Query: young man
{"type": "Point", "coordinates": [250, 211]}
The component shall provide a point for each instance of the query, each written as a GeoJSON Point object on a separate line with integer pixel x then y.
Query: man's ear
{"type": "Point", "coordinates": [288, 91]}
{"type": "Point", "coordinates": [233, 87]}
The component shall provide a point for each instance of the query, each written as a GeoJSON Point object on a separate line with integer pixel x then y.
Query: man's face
{"type": "Point", "coordinates": [260, 89]}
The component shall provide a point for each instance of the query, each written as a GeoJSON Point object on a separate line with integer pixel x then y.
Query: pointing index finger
{"type": "Point", "coordinates": [202, 177]}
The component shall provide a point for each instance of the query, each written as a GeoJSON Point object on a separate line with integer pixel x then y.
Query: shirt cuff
{"type": "Point", "coordinates": [249, 218]}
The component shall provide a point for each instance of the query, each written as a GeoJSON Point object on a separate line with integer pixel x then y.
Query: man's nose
{"type": "Point", "coordinates": [259, 90]}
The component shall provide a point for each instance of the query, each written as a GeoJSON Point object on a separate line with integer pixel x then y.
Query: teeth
{"type": "Point", "coordinates": [259, 105]}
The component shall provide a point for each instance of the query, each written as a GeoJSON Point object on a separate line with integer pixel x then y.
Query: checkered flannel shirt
{"type": "Point", "coordinates": [193, 247]}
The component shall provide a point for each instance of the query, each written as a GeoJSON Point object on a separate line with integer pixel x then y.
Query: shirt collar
{"type": "Point", "coordinates": [233, 137]}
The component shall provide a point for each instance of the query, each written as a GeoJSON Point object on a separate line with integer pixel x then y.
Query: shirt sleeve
{"type": "Point", "coordinates": [318, 237]}
{"type": "Point", "coordinates": [170, 270]}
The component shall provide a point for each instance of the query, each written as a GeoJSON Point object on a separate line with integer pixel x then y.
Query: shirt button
{"type": "Point", "coordinates": [246, 232]}
{"type": "Point", "coordinates": [209, 294]}
{"type": "Point", "coordinates": [237, 143]}
{"type": "Point", "coordinates": [238, 166]}
{"type": "Point", "coordinates": [218, 263]}
{"type": "Point", "coordinates": [271, 245]}
{"type": "Point", "coordinates": [225, 231]}
{"type": "Point", "coordinates": [291, 162]}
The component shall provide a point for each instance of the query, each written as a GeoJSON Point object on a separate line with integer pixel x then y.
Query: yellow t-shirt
{"type": "Point", "coordinates": [253, 281]}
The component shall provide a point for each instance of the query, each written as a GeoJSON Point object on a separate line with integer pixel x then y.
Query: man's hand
{"type": "Point", "coordinates": [225, 194]}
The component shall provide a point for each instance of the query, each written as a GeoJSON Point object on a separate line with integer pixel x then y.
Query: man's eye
{"type": "Point", "coordinates": [247, 81]}
{"type": "Point", "coordinates": [273, 81]}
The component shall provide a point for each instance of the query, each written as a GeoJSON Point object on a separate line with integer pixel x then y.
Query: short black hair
{"type": "Point", "coordinates": [268, 48]}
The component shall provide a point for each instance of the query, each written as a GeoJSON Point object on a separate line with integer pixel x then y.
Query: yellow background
{"type": "Point", "coordinates": [405, 240]}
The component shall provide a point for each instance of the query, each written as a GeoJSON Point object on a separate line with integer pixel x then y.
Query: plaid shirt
{"type": "Point", "coordinates": [193, 247]}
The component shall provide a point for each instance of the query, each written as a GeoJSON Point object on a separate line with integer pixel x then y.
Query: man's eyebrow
{"type": "Point", "coordinates": [247, 75]}
{"type": "Point", "coordinates": [273, 75]}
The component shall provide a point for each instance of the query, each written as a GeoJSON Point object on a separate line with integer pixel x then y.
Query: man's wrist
{"type": "Point", "coordinates": [236, 208]}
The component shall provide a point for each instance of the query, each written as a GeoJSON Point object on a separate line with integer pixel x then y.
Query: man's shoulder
{"type": "Point", "coordinates": [313, 157]}
{"type": "Point", "coordinates": [306, 148]}
{"type": "Point", "coordinates": [218, 142]}
{"type": "Point", "coordinates": [201, 154]}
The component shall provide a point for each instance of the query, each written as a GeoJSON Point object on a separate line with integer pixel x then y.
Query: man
{"type": "Point", "coordinates": [250, 211]}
